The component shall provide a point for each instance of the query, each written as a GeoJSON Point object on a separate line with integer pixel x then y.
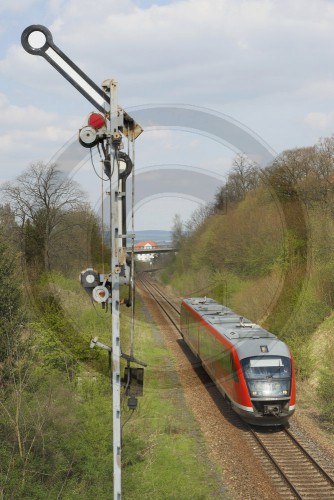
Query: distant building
{"type": "Point", "coordinates": [146, 245]}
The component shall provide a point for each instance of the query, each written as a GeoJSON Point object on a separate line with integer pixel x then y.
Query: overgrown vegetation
{"type": "Point", "coordinates": [55, 394]}
{"type": "Point", "coordinates": [55, 415]}
{"type": "Point", "coordinates": [264, 247]}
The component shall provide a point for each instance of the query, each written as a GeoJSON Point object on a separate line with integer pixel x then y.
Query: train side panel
{"type": "Point", "coordinates": [221, 362]}
{"type": "Point", "coordinates": [218, 357]}
{"type": "Point", "coordinates": [189, 328]}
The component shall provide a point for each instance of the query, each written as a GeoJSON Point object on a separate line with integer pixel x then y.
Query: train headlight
{"type": "Point", "coordinates": [267, 389]}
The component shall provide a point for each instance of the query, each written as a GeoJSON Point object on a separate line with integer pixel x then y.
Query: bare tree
{"type": "Point", "coordinates": [244, 177]}
{"type": "Point", "coordinates": [41, 199]}
{"type": "Point", "coordinates": [198, 217]}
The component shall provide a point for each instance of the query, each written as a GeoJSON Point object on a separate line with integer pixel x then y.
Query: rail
{"type": "Point", "coordinates": [305, 477]}
{"type": "Point", "coordinates": [149, 286]}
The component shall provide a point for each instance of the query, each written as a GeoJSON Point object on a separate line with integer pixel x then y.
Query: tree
{"type": "Point", "coordinates": [10, 303]}
{"type": "Point", "coordinates": [8, 225]}
{"type": "Point", "coordinates": [198, 217]}
{"type": "Point", "coordinates": [177, 231]}
{"type": "Point", "coordinates": [244, 177]}
{"type": "Point", "coordinates": [305, 174]}
{"type": "Point", "coordinates": [41, 199]}
{"type": "Point", "coordinates": [78, 243]}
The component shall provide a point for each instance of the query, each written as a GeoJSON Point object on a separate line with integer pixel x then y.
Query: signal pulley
{"type": "Point", "coordinates": [88, 137]}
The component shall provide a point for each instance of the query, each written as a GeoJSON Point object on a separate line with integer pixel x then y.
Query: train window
{"type": "Point", "coordinates": [227, 363]}
{"type": "Point", "coordinates": [268, 376]}
{"type": "Point", "coordinates": [193, 329]}
{"type": "Point", "coordinates": [263, 367]}
{"type": "Point", "coordinates": [209, 346]}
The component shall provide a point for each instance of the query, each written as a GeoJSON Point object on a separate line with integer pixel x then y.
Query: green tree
{"type": "Point", "coordinates": [10, 302]}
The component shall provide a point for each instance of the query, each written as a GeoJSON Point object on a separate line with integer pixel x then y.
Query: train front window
{"type": "Point", "coordinates": [263, 367]}
{"type": "Point", "coordinates": [267, 376]}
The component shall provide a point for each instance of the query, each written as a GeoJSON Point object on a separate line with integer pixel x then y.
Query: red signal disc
{"type": "Point", "coordinates": [96, 120]}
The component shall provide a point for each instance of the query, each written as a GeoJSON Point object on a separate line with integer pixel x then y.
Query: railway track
{"type": "Point", "coordinates": [301, 473]}
{"type": "Point", "coordinates": [295, 472]}
{"type": "Point", "coordinates": [170, 309]}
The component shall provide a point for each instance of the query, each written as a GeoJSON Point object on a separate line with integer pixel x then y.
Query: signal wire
{"type": "Point", "coordinates": [102, 216]}
{"type": "Point", "coordinates": [102, 196]}
{"type": "Point", "coordinates": [127, 420]}
{"type": "Point", "coordinates": [133, 286]}
{"type": "Point", "coordinates": [92, 161]}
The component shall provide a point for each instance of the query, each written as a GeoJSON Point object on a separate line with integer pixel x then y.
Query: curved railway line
{"type": "Point", "coordinates": [294, 471]}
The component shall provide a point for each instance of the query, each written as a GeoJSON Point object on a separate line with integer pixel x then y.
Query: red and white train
{"type": "Point", "coordinates": [251, 367]}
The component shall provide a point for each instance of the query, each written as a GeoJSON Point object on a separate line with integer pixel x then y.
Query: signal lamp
{"type": "Point", "coordinates": [96, 120]}
{"type": "Point", "coordinates": [89, 278]}
{"type": "Point", "coordinates": [100, 294]}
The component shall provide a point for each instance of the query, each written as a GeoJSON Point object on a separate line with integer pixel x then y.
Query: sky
{"type": "Point", "coordinates": [263, 69]}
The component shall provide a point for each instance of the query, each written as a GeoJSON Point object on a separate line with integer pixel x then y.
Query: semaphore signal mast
{"type": "Point", "coordinates": [105, 129]}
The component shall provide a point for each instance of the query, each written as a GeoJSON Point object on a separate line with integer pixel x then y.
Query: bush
{"type": "Point", "coordinates": [326, 391]}
{"type": "Point", "coordinates": [11, 312]}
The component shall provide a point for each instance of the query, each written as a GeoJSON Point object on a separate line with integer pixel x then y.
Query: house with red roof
{"type": "Point", "coordinates": [145, 245]}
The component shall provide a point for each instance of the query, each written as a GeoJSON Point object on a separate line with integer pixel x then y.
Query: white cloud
{"type": "Point", "coordinates": [264, 62]}
{"type": "Point", "coordinates": [320, 121]}
{"type": "Point", "coordinates": [212, 50]}
{"type": "Point", "coordinates": [12, 115]}
{"type": "Point", "coordinates": [22, 123]}
{"type": "Point", "coordinates": [319, 88]}
{"type": "Point", "coordinates": [28, 133]}
{"type": "Point", "coordinates": [16, 6]}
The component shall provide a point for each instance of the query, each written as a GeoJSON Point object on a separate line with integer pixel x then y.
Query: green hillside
{"type": "Point", "coordinates": [265, 248]}
{"type": "Point", "coordinates": [55, 395]}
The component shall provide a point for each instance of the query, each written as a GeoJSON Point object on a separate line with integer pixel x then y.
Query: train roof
{"type": "Point", "coordinates": [249, 339]}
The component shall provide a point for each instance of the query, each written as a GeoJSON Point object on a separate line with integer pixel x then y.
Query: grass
{"type": "Point", "coordinates": [163, 452]}
{"type": "Point", "coordinates": [175, 463]}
